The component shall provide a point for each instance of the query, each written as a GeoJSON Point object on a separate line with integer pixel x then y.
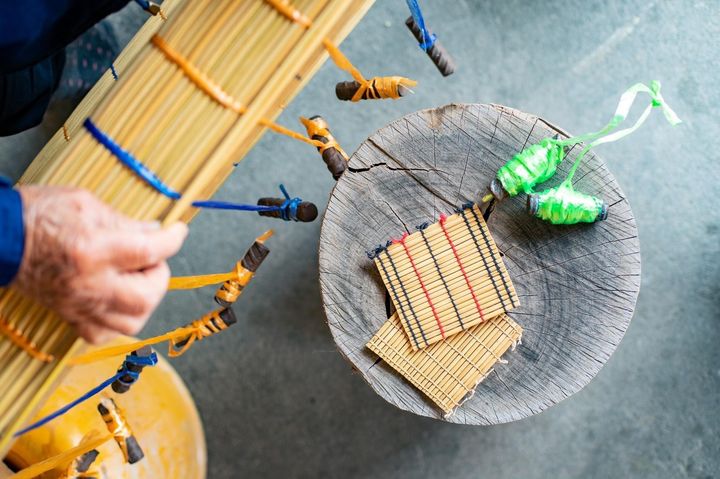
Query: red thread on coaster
{"type": "Point", "coordinates": [458, 304]}
{"type": "Point", "coordinates": [462, 269]}
{"type": "Point", "coordinates": [422, 284]}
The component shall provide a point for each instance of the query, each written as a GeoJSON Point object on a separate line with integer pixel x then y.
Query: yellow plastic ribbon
{"type": "Point", "coordinates": [216, 92]}
{"type": "Point", "coordinates": [319, 128]}
{"type": "Point", "coordinates": [206, 326]}
{"type": "Point", "coordinates": [19, 339]}
{"type": "Point", "coordinates": [342, 61]}
{"type": "Point", "coordinates": [63, 459]}
{"type": "Point", "coordinates": [194, 282]}
{"type": "Point", "coordinates": [386, 87]}
{"type": "Point", "coordinates": [201, 328]}
{"type": "Point", "coordinates": [199, 281]}
{"type": "Point", "coordinates": [124, 349]}
{"type": "Point", "coordinates": [292, 13]}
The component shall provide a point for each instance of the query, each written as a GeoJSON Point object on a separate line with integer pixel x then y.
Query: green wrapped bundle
{"type": "Point", "coordinates": [563, 205]}
{"type": "Point", "coordinates": [533, 165]}
{"type": "Point", "coordinates": [538, 163]}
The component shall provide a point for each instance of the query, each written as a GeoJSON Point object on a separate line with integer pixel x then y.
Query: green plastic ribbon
{"type": "Point", "coordinates": [538, 163]}
{"type": "Point", "coordinates": [563, 205]}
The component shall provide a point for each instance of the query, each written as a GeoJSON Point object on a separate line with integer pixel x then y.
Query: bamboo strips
{"type": "Point", "coordinates": [447, 371]}
{"type": "Point", "coordinates": [248, 48]}
{"type": "Point", "coordinates": [74, 122]}
{"type": "Point", "coordinates": [446, 278]}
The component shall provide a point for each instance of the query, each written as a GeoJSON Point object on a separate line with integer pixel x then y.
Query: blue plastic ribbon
{"type": "Point", "coordinates": [124, 370]}
{"type": "Point", "coordinates": [127, 159]}
{"type": "Point", "coordinates": [288, 208]}
{"type": "Point", "coordinates": [133, 376]}
{"type": "Point", "coordinates": [428, 39]}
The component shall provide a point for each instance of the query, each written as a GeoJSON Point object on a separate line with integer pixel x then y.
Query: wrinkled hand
{"type": "Point", "coordinates": [99, 270]}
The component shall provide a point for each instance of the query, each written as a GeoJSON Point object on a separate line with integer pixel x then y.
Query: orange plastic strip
{"type": "Point", "coordinates": [284, 7]}
{"type": "Point", "coordinates": [193, 282]}
{"type": "Point", "coordinates": [288, 132]}
{"type": "Point", "coordinates": [24, 343]}
{"type": "Point", "coordinates": [315, 128]}
{"type": "Point", "coordinates": [113, 351]}
{"type": "Point", "coordinates": [202, 328]}
{"type": "Point", "coordinates": [199, 281]}
{"type": "Point", "coordinates": [196, 76]}
{"type": "Point", "coordinates": [195, 331]}
{"type": "Point", "coordinates": [342, 61]}
{"type": "Point", "coordinates": [215, 91]}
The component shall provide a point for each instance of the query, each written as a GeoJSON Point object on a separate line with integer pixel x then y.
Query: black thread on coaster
{"type": "Point", "coordinates": [442, 278]}
{"type": "Point", "coordinates": [495, 261]}
{"type": "Point", "coordinates": [399, 303]}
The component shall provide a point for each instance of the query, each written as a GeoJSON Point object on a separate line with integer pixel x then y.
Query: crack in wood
{"type": "Point", "coordinates": [397, 216]}
{"type": "Point", "coordinates": [393, 168]}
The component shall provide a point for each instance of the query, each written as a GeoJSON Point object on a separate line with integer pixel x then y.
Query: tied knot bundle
{"type": "Point", "coordinates": [126, 375]}
{"type": "Point", "coordinates": [210, 324]}
{"type": "Point", "coordinates": [382, 87]}
{"type": "Point", "coordinates": [317, 127]}
{"type": "Point", "coordinates": [538, 163]}
{"type": "Point", "coordinates": [376, 88]}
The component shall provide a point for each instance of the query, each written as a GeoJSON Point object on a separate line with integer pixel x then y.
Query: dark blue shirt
{"type": "Point", "coordinates": [33, 35]}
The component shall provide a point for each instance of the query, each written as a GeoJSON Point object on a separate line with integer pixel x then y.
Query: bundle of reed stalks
{"type": "Point", "coordinates": [254, 52]}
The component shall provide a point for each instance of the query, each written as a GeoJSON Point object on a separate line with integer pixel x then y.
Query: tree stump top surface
{"type": "Point", "coordinates": [577, 284]}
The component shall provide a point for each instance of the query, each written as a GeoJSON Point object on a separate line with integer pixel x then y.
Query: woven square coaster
{"type": "Point", "coordinates": [449, 370]}
{"type": "Point", "coordinates": [446, 278]}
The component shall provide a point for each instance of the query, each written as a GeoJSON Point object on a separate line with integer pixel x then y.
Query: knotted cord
{"type": "Point", "coordinates": [428, 39]}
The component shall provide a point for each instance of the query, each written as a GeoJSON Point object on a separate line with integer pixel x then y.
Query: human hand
{"type": "Point", "coordinates": [101, 271]}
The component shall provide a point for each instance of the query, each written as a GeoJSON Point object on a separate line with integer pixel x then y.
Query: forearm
{"type": "Point", "coordinates": [12, 232]}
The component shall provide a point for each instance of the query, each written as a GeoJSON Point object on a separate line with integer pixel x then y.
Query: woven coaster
{"type": "Point", "coordinates": [447, 371]}
{"type": "Point", "coordinates": [446, 278]}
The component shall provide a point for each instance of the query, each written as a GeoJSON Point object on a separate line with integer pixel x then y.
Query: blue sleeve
{"type": "Point", "coordinates": [12, 232]}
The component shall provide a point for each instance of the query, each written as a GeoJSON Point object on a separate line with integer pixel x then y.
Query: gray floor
{"type": "Point", "coordinates": [278, 401]}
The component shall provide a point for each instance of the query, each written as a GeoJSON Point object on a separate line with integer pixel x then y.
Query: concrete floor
{"type": "Point", "coordinates": [278, 401]}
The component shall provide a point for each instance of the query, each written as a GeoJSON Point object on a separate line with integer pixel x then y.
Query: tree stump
{"type": "Point", "coordinates": [577, 284]}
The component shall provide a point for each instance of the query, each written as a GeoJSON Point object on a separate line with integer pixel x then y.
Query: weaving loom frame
{"type": "Point", "coordinates": [333, 19]}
